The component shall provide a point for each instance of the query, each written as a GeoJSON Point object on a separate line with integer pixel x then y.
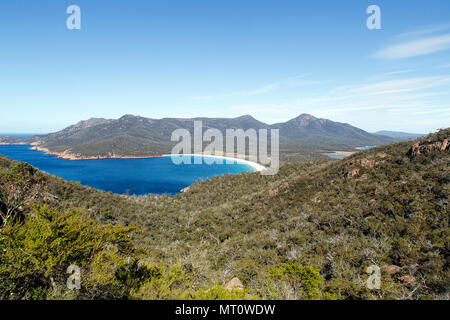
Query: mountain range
{"type": "Point", "coordinates": [138, 136]}
{"type": "Point", "coordinates": [400, 135]}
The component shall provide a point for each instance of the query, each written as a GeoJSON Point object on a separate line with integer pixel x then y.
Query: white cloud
{"type": "Point", "coordinates": [296, 81]}
{"type": "Point", "coordinates": [425, 31]}
{"type": "Point", "coordinates": [416, 48]}
{"type": "Point", "coordinates": [400, 85]}
{"type": "Point", "coordinates": [389, 75]}
{"type": "Point", "coordinates": [403, 104]}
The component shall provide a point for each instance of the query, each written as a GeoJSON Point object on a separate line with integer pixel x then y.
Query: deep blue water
{"type": "Point", "coordinates": [133, 176]}
{"type": "Point", "coordinates": [18, 135]}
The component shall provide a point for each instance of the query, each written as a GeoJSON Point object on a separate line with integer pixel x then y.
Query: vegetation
{"type": "Point", "coordinates": [310, 232]}
{"type": "Point", "coordinates": [302, 138]}
{"type": "Point", "coordinates": [303, 281]}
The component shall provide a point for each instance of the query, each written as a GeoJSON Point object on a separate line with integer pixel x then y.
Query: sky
{"type": "Point", "coordinates": [273, 60]}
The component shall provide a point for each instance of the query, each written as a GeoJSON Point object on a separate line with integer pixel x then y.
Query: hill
{"type": "Point", "coordinates": [400, 135]}
{"type": "Point", "coordinates": [138, 136]}
{"type": "Point", "coordinates": [309, 232]}
{"type": "Point", "coordinates": [307, 129]}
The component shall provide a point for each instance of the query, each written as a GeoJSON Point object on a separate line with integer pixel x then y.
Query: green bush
{"type": "Point", "coordinates": [36, 254]}
{"type": "Point", "coordinates": [219, 292]}
{"type": "Point", "coordinates": [305, 281]}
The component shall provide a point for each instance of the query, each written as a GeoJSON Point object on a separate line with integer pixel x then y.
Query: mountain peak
{"type": "Point", "coordinates": [306, 116]}
{"type": "Point", "coordinates": [304, 119]}
{"type": "Point", "coordinates": [128, 117]}
{"type": "Point", "coordinates": [90, 123]}
{"type": "Point", "coordinates": [245, 117]}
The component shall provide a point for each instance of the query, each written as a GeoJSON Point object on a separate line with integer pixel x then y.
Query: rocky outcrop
{"type": "Point", "coordinates": [369, 164]}
{"type": "Point", "coordinates": [275, 191]}
{"type": "Point", "coordinates": [352, 173]}
{"type": "Point", "coordinates": [399, 273]}
{"type": "Point", "coordinates": [234, 284]}
{"type": "Point", "coordinates": [427, 147]}
{"type": "Point", "coordinates": [382, 155]}
{"type": "Point", "coordinates": [365, 162]}
{"type": "Point", "coordinates": [392, 269]}
{"type": "Point", "coordinates": [408, 279]}
{"type": "Point", "coordinates": [184, 190]}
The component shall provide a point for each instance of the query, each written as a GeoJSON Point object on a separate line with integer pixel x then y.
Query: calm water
{"type": "Point", "coordinates": [18, 135]}
{"type": "Point", "coordinates": [336, 156]}
{"type": "Point", "coordinates": [366, 148]}
{"type": "Point", "coordinates": [136, 176]}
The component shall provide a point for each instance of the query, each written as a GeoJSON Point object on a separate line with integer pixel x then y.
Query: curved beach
{"type": "Point", "coordinates": [252, 164]}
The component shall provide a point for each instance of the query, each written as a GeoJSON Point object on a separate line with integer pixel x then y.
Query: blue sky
{"type": "Point", "coordinates": [271, 59]}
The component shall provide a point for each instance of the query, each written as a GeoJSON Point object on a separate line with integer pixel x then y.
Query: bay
{"type": "Point", "coordinates": [124, 176]}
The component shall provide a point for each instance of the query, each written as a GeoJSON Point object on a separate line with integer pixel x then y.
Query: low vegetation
{"type": "Point", "coordinates": [310, 232]}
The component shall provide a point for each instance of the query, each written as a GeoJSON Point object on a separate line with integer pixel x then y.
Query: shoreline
{"type": "Point", "coordinates": [66, 155]}
{"type": "Point", "coordinates": [340, 153]}
{"type": "Point", "coordinates": [258, 167]}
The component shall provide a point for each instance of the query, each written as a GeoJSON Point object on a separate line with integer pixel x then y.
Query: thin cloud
{"type": "Point", "coordinates": [297, 81]}
{"type": "Point", "coordinates": [405, 99]}
{"type": "Point", "coordinates": [416, 48]}
{"type": "Point", "coordinates": [397, 72]}
{"type": "Point", "coordinates": [425, 31]}
{"type": "Point", "coordinates": [258, 91]}
{"type": "Point", "coordinates": [401, 85]}
{"type": "Point", "coordinates": [445, 111]}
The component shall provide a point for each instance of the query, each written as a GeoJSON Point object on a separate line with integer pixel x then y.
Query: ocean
{"type": "Point", "coordinates": [124, 176]}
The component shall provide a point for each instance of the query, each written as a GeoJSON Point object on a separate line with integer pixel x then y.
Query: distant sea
{"type": "Point", "coordinates": [19, 135]}
{"type": "Point", "coordinates": [132, 176]}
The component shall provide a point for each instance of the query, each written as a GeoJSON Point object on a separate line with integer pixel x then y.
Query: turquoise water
{"type": "Point", "coordinates": [366, 148]}
{"type": "Point", "coordinates": [133, 176]}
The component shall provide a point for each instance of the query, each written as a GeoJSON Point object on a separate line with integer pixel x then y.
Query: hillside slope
{"type": "Point", "coordinates": [400, 135]}
{"type": "Point", "coordinates": [387, 207]}
{"type": "Point", "coordinates": [307, 129]}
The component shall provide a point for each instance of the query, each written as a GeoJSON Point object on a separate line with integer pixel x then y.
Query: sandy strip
{"type": "Point", "coordinates": [341, 153]}
{"type": "Point", "coordinates": [252, 164]}
{"type": "Point", "coordinates": [67, 155]}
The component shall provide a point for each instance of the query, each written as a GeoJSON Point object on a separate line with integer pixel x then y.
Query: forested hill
{"type": "Point", "coordinates": [138, 136]}
{"type": "Point", "coordinates": [310, 232]}
{"type": "Point", "coordinates": [401, 136]}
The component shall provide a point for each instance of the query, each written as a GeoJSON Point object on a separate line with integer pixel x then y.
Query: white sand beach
{"type": "Point", "coordinates": [252, 164]}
